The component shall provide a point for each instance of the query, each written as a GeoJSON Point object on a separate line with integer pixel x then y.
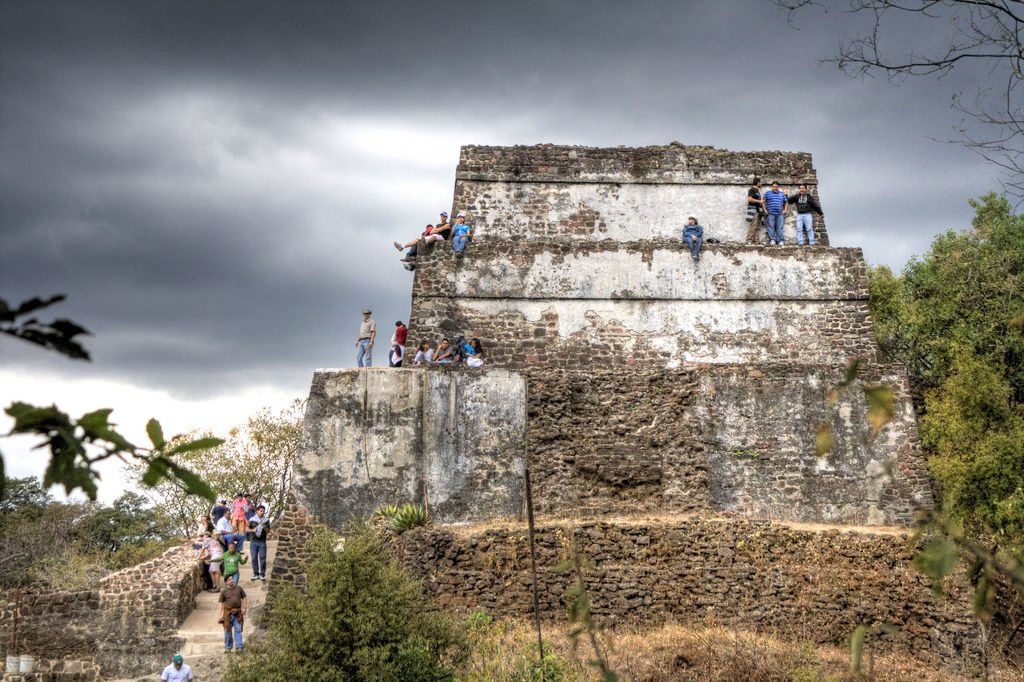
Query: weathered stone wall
{"type": "Point", "coordinates": [737, 439]}
{"type": "Point", "coordinates": [751, 574]}
{"type": "Point", "coordinates": [619, 193]}
{"type": "Point", "coordinates": [127, 625]}
{"type": "Point", "coordinates": [451, 440]}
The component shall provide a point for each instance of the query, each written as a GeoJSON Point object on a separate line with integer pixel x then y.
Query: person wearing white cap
{"type": "Point", "coordinates": [437, 232]}
{"type": "Point", "coordinates": [462, 235]}
{"type": "Point", "coordinates": [364, 344]}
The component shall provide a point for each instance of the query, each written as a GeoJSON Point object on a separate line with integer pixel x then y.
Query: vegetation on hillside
{"type": "Point", "coordinates": [359, 616]}
{"type": "Point", "coordinates": [955, 318]}
{"type": "Point", "coordinates": [72, 544]}
{"type": "Point", "coordinates": [256, 458]}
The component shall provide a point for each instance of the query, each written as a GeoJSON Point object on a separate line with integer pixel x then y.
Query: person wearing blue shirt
{"type": "Point", "coordinates": [693, 236]}
{"type": "Point", "coordinates": [463, 233]}
{"type": "Point", "coordinates": [775, 205]}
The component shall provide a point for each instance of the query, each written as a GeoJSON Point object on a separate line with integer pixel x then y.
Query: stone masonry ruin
{"type": "Point", "coordinates": [665, 409]}
{"type": "Point", "coordinates": [669, 410]}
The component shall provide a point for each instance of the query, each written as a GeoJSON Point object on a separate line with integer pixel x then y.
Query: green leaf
{"type": "Point", "coordinates": [156, 471]}
{"type": "Point", "coordinates": [190, 482]}
{"type": "Point", "coordinates": [880, 407]}
{"type": "Point", "coordinates": [937, 559]}
{"type": "Point", "coordinates": [97, 428]}
{"type": "Point", "coordinates": [852, 367]}
{"type": "Point", "coordinates": [984, 599]}
{"type": "Point", "coordinates": [857, 648]}
{"type": "Point", "coordinates": [199, 444]}
{"type": "Point", "coordinates": [156, 433]}
{"type": "Point", "coordinates": [823, 441]}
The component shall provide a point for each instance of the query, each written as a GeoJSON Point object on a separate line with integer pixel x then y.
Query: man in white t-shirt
{"type": "Point", "coordinates": [177, 671]}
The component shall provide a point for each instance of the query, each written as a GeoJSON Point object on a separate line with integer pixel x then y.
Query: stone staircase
{"type": "Point", "coordinates": [203, 636]}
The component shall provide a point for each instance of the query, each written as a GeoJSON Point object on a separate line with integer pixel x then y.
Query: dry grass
{"type": "Point", "coordinates": [503, 650]}
{"type": "Point", "coordinates": [469, 529]}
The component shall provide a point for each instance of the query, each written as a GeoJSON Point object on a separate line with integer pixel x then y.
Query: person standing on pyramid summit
{"type": "Point", "coordinates": [364, 343]}
{"type": "Point", "coordinates": [806, 206]}
{"type": "Point", "coordinates": [755, 210]}
{"type": "Point", "coordinates": [775, 205]}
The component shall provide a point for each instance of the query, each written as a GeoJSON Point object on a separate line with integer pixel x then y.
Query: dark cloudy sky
{"type": "Point", "coordinates": [216, 184]}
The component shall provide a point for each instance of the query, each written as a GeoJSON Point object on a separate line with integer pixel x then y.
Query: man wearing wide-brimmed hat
{"type": "Point", "coordinates": [364, 344]}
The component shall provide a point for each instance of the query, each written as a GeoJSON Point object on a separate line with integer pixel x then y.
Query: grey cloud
{"type": "Point", "coordinates": [217, 184]}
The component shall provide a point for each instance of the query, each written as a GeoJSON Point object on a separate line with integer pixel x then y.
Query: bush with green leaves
{"type": "Point", "coordinates": [955, 318]}
{"type": "Point", "coordinates": [358, 616]}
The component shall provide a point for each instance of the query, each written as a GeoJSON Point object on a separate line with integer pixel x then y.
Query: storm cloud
{"type": "Point", "coordinates": [216, 185]}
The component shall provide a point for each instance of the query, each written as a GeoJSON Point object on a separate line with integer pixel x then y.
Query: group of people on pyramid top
{"type": "Point", "coordinates": [460, 234]}
{"type": "Point", "coordinates": [457, 351]}
{"type": "Point", "coordinates": [769, 210]}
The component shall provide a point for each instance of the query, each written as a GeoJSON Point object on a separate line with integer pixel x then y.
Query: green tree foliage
{"type": "Point", "coordinates": [256, 458]}
{"type": "Point", "coordinates": [360, 616]}
{"type": "Point", "coordinates": [954, 318]}
{"type": "Point", "coordinates": [72, 543]}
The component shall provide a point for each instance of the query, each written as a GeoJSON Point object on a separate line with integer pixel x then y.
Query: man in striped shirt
{"type": "Point", "coordinates": [775, 205]}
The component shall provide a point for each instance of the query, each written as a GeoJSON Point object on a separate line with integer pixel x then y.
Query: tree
{"type": "Point", "coordinates": [952, 319]}
{"type": "Point", "coordinates": [984, 32]}
{"type": "Point", "coordinates": [78, 445]}
{"type": "Point", "coordinates": [360, 616]}
{"type": "Point", "coordinates": [256, 458]}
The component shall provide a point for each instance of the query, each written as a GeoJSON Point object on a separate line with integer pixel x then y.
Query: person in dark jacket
{"type": "Point", "coordinates": [755, 210]}
{"type": "Point", "coordinates": [806, 206]}
{"type": "Point", "coordinates": [693, 235]}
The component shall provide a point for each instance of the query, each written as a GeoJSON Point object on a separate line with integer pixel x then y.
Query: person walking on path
{"type": "Point", "coordinates": [177, 671]}
{"type": "Point", "coordinates": [364, 344]}
{"type": "Point", "coordinates": [806, 206]}
{"type": "Point", "coordinates": [693, 236]}
{"type": "Point", "coordinates": [463, 234]}
{"type": "Point", "coordinates": [233, 605]}
{"type": "Point", "coordinates": [215, 552]}
{"type": "Point", "coordinates": [755, 211]}
{"type": "Point", "coordinates": [259, 531]}
{"type": "Point", "coordinates": [232, 561]}
{"type": "Point", "coordinates": [775, 205]}
{"type": "Point", "coordinates": [219, 510]}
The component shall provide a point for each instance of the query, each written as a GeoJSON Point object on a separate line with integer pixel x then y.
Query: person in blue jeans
{"type": "Point", "coordinates": [364, 342]}
{"type": "Point", "coordinates": [775, 206]}
{"type": "Point", "coordinates": [806, 206]}
{"type": "Point", "coordinates": [693, 236]}
{"type": "Point", "coordinates": [259, 531]}
{"type": "Point", "coordinates": [232, 613]}
{"type": "Point", "coordinates": [463, 234]}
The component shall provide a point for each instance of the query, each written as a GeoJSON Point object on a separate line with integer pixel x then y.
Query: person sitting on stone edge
{"type": "Point", "coordinates": [444, 355]}
{"type": "Point", "coordinates": [693, 236]}
{"type": "Point", "coordinates": [806, 206]}
{"type": "Point", "coordinates": [437, 232]}
{"type": "Point", "coordinates": [177, 671]}
{"type": "Point", "coordinates": [463, 234]}
{"type": "Point", "coordinates": [474, 353]}
{"type": "Point", "coordinates": [232, 561]}
{"type": "Point", "coordinates": [424, 355]}
{"type": "Point", "coordinates": [231, 615]}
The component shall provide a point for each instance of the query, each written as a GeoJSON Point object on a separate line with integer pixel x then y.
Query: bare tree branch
{"type": "Point", "coordinates": [986, 32]}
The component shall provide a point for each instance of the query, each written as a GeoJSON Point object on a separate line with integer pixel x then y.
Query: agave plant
{"type": "Point", "coordinates": [385, 512]}
{"type": "Point", "coordinates": [408, 516]}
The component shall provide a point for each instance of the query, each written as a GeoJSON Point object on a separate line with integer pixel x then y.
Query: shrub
{"type": "Point", "coordinates": [401, 518]}
{"type": "Point", "coordinates": [359, 616]}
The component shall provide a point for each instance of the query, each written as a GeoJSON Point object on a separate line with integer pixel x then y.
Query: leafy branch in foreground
{"type": "Point", "coordinates": [78, 445]}
{"type": "Point", "coordinates": [58, 335]}
{"type": "Point", "coordinates": [583, 621]}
